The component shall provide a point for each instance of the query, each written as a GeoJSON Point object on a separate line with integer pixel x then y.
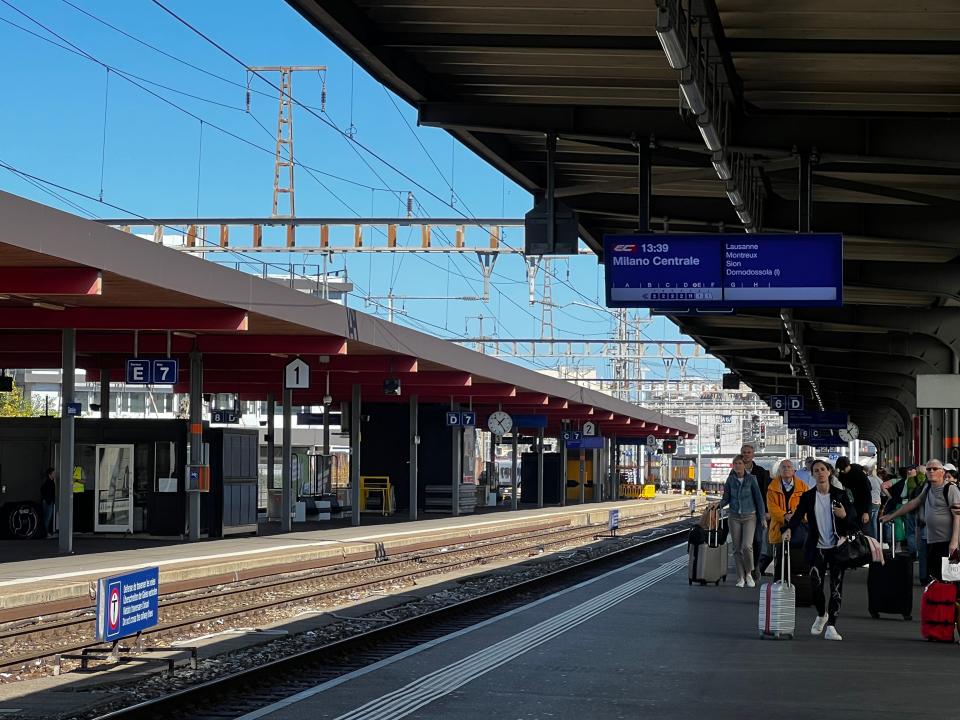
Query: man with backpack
{"type": "Point", "coordinates": [939, 512]}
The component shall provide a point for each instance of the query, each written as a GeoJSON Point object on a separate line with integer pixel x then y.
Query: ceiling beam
{"type": "Point", "coordinates": [97, 318]}
{"type": "Point", "coordinates": [45, 281]}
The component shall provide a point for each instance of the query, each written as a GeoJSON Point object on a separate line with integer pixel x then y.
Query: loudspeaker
{"type": "Point", "coordinates": [731, 381]}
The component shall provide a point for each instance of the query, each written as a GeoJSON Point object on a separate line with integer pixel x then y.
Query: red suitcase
{"type": "Point", "coordinates": [938, 610]}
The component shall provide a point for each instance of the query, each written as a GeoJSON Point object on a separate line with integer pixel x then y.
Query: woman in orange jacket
{"type": "Point", "coordinates": [783, 496]}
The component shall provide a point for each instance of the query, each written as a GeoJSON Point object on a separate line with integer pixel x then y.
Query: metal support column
{"type": "Point", "coordinates": [955, 412]}
{"type": "Point", "coordinates": [196, 437]}
{"type": "Point", "coordinates": [326, 430]}
{"type": "Point", "coordinates": [355, 437]}
{"type": "Point", "coordinates": [805, 205]}
{"type": "Point", "coordinates": [414, 459]}
{"type": "Point", "coordinates": [271, 441]}
{"type": "Point", "coordinates": [699, 451]}
{"type": "Point", "coordinates": [645, 185]}
{"type": "Point", "coordinates": [583, 476]}
{"type": "Point", "coordinates": [68, 367]}
{"type": "Point", "coordinates": [540, 467]}
{"type": "Point", "coordinates": [513, 465]}
{"type": "Point", "coordinates": [286, 452]}
{"type": "Point", "coordinates": [615, 467]}
{"type": "Point", "coordinates": [551, 185]}
{"type": "Point", "coordinates": [563, 468]}
{"type": "Point", "coordinates": [456, 469]}
{"type": "Point", "coordinates": [105, 394]}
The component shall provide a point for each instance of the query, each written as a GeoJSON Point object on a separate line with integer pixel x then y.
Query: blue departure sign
{"type": "Point", "coordinates": [729, 271]}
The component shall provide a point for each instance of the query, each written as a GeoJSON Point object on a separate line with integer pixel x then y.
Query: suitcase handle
{"type": "Point", "coordinates": [893, 539]}
{"type": "Point", "coordinates": [785, 565]}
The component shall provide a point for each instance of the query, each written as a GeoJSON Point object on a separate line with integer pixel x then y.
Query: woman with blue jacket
{"type": "Point", "coordinates": [742, 494]}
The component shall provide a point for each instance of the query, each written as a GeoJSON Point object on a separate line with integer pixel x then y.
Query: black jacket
{"type": "Point", "coordinates": [806, 510]}
{"type": "Point", "coordinates": [763, 480]}
{"type": "Point", "coordinates": [855, 480]}
{"type": "Point", "coordinates": [48, 491]}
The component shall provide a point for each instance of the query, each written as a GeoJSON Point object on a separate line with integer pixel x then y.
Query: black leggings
{"type": "Point", "coordinates": [823, 564]}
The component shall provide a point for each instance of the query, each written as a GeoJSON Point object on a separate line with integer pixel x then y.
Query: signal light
{"type": "Point", "coordinates": [669, 447]}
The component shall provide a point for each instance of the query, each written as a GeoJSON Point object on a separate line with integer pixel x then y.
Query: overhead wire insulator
{"type": "Point", "coordinates": [323, 92]}
{"type": "Point", "coordinates": [409, 204]}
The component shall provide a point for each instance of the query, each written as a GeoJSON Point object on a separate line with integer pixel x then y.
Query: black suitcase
{"type": "Point", "coordinates": [890, 586]}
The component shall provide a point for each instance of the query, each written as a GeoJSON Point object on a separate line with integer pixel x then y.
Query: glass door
{"type": "Point", "coordinates": [114, 507]}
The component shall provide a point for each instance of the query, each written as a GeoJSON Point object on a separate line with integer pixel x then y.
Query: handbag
{"type": "Point", "coordinates": [949, 571]}
{"type": "Point", "coordinates": [853, 551]}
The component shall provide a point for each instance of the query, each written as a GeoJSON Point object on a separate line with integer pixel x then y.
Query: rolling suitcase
{"type": "Point", "coordinates": [890, 586]}
{"type": "Point", "coordinates": [707, 561]}
{"type": "Point", "coordinates": [778, 615]}
{"type": "Point", "coordinates": [938, 610]}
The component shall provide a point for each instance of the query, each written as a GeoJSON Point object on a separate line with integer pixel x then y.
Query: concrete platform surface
{"type": "Point", "coordinates": [640, 643]}
{"type": "Point", "coordinates": [32, 577]}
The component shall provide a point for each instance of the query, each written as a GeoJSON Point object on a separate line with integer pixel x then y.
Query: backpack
{"type": "Point", "coordinates": [921, 511]}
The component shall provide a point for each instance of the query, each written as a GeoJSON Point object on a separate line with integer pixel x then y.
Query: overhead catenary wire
{"type": "Point", "coordinates": [379, 158]}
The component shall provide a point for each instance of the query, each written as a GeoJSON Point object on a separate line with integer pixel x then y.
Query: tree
{"type": "Point", "coordinates": [16, 404]}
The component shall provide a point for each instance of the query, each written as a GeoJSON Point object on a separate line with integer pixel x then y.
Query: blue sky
{"type": "Point", "coordinates": [71, 121]}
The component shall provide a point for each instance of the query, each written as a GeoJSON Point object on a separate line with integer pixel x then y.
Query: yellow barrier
{"type": "Point", "coordinates": [633, 491]}
{"type": "Point", "coordinates": [376, 485]}
{"type": "Point", "coordinates": [649, 490]}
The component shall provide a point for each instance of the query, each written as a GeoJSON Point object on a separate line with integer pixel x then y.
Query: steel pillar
{"type": "Point", "coordinates": [286, 452]}
{"type": "Point", "coordinates": [414, 459]}
{"type": "Point", "coordinates": [196, 438]}
{"type": "Point", "coordinates": [456, 469]}
{"type": "Point", "coordinates": [68, 367]}
{"type": "Point", "coordinates": [355, 437]}
{"type": "Point", "coordinates": [104, 394]}
{"type": "Point", "coordinates": [513, 465]}
{"type": "Point", "coordinates": [271, 444]}
{"type": "Point", "coordinates": [540, 467]}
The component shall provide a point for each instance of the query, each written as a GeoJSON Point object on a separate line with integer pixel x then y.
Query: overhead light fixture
{"type": "Point", "coordinates": [47, 305]}
{"type": "Point", "coordinates": [4, 297]}
{"type": "Point", "coordinates": [721, 166]}
{"type": "Point", "coordinates": [709, 133]}
{"type": "Point", "coordinates": [673, 48]}
{"type": "Point", "coordinates": [691, 93]}
{"type": "Point", "coordinates": [733, 194]}
{"type": "Point", "coordinates": [183, 334]}
{"type": "Point", "coordinates": [745, 217]}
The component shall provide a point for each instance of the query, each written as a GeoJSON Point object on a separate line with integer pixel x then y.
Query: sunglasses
{"type": "Point", "coordinates": [933, 467]}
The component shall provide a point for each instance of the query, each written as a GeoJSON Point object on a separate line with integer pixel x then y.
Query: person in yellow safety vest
{"type": "Point", "coordinates": [78, 484]}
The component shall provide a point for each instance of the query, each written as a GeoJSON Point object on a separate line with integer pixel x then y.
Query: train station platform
{"type": "Point", "coordinates": [640, 642]}
{"type": "Point", "coordinates": [41, 576]}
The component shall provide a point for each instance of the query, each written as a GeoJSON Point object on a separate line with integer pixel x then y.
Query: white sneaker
{"type": "Point", "coordinates": [818, 625]}
{"type": "Point", "coordinates": [832, 634]}
{"type": "Point", "coordinates": [740, 582]}
{"type": "Point", "coordinates": [750, 582]}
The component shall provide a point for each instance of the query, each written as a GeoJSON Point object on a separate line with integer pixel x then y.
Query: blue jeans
{"type": "Point", "coordinates": [49, 509]}
{"type": "Point", "coordinates": [872, 529]}
{"type": "Point", "coordinates": [910, 528]}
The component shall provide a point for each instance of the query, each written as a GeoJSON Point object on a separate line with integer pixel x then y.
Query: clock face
{"type": "Point", "coordinates": [849, 433]}
{"type": "Point", "coordinates": [500, 423]}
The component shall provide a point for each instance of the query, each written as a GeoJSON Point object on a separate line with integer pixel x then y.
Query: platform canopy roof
{"type": "Point", "coordinates": [869, 91]}
{"type": "Point", "coordinates": [130, 297]}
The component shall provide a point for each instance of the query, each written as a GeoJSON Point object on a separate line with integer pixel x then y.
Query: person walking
{"type": "Point", "coordinates": [829, 514]}
{"type": "Point", "coordinates": [939, 513]}
{"type": "Point", "coordinates": [48, 500]}
{"type": "Point", "coordinates": [854, 478]}
{"type": "Point", "coordinates": [783, 497]}
{"type": "Point", "coordinates": [742, 494]}
{"type": "Point", "coordinates": [761, 549]}
{"type": "Point", "coordinates": [804, 472]}
{"type": "Point", "coordinates": [876, 483]}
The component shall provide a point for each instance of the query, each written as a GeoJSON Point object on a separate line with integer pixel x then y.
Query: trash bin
{"type": "Point", "coordinates": [274, 502]}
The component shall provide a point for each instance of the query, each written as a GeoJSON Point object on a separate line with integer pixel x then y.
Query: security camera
{"type": "Point", "coordinates": [327, 399]}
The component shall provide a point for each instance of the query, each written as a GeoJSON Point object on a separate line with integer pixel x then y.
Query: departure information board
{"type": "Point", "coordinates": [724, 271]}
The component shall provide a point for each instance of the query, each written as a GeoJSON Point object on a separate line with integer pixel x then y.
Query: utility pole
{"type": "Point", "coordinates": [283, 160]}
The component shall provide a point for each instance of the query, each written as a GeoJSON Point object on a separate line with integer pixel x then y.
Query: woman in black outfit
{"type": "Point", "coordinates": [829, 515]}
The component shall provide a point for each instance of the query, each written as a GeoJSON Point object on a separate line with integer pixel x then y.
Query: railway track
{"type": "Point", "coordinates": [197, 612]}
{"type": "Point", "coordinates": [242, 692]}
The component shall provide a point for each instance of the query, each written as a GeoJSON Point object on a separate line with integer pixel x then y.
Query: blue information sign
{"type": "Point", "coordinates": [778, 402]}
{"type": "Point", "coordinates": [127, 604]}
{"type": "Point", "coordinates": [453, 419]}
{"type": "Point", "coordinates": [529, 421]}
{"type": "Point", "coordinates": [794, 402]}
{"type": "Point", "coordinates": [584, 442]}
{"type": "Point", "coordinates": [830, 420]}
{"type": "Point", "coordinates": [143, 371]}
{"type": "Point", "coordinates": [703, 271]}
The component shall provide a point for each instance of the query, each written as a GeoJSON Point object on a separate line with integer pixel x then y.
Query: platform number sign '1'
{"type": "Point", "coordinates": [296, 375]}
